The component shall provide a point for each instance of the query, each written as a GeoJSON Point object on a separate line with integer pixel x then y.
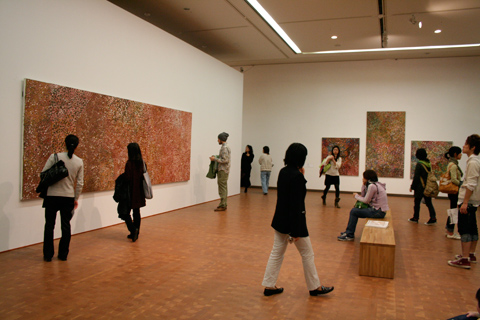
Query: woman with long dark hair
{"type": "Point", "coordinates": [332, 176]}
{"type": "Point", "coordinates": [246, 167]}
{"type": "Point", "coordinates": [62, 196]}
{"type": "Point", "coordinates": [134, 169]}
{"type": "Point", "coordinates": [290, 224]}
{"type": "Point", "coordinates": [419, 181]}
{"type": "Point", "coordinates": [453, 155]}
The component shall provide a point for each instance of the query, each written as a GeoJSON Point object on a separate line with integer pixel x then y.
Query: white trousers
{"type": "Point", "coordinates": [304, 247]}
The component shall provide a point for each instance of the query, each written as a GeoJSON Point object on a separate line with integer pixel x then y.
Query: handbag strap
{"type": "Point", "coordinates": [448, 170]}
{"type": "Point", "coordinates": [144, 167]}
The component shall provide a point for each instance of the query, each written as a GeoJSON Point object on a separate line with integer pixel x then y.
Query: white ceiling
{"type": "Point", "coordinates": [232, 32]}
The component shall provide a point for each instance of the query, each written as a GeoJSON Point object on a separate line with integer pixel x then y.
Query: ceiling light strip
{"type": "Point", "coordinates": [397, 49]}
{"type": "Point", "coordinates": [273, 24]}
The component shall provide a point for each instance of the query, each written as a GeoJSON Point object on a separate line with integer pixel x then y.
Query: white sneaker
{"type": "Point", "coordinates": [455, 236]}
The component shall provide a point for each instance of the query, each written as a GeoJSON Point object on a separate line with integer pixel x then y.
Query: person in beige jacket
{"type": "Point", "coordinates": [265, 168]}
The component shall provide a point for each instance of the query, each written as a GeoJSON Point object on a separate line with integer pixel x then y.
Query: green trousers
{"type": "Point", "coordinates": [222, 179]}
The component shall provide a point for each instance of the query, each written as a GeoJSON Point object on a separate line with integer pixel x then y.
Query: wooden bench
{"type": "Point", "coordinates": [377, 250]}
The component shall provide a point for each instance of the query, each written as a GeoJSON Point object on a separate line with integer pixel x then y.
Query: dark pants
{"type": "Point", "coordinates": [135, 224]}
{"type": "Point", "coordinates": [329, 180]}
{"type": "Point", "coordinates": [428, 202]}
{"type": "Point", "coordinates": [356, 213]}
{"type": "Point", "coordinates": [65, 206]}
{"type": "Point", "coordinates": [453, 204]}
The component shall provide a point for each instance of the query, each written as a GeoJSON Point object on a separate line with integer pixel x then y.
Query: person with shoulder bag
{"type": "Point", "coordinates": [134, 169]}
{"type": "Point", "coordinates": [422, 170]}
{"type": "Point", "coordinates": [455, 175]}
{"type": "Point", "coordinates": [62, 196]}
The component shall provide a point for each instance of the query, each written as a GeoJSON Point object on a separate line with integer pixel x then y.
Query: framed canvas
{"type": "Point", "coordinates": [105, 126]}
{"type": "Point", "coordinates": [435, 152]}
{"type": "Point", "coordinates": [349, 151]}
{"type": "Point", "coordinates": [386, 143]}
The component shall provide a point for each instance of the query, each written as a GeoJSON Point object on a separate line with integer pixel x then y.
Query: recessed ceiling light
{"type": "Point", "coordinates": [420, 25]}
{"type": "Point", "coordinates": [334, 37]}
{"type": "Point", "coordinates": [438, 31]}
{"type": "Point", "coordinates": [273, 24]}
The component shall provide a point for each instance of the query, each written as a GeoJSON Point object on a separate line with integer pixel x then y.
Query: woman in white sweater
{"type": "Point", "coordinates": [62, 196]}
{"type": "Point", "coordinates": [332, 176]}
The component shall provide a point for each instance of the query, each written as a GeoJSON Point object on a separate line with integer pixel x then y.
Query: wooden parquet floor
{"type": "Point", "coordinates": [194, 263]}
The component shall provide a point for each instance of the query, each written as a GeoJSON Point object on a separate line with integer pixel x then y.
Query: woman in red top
{"type": "Point", "coordinates": [134, 176]}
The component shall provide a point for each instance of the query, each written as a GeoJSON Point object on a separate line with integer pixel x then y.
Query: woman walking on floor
{"type": "Point", "coordinates": [134, 169]}
{"type": "Point", "coordinates": [332, 176]}
{"type": "Point", "coordinates": [419, 181]}
{"type": "Point", "coordinates": [290, 225]}
{"type": "Point", "coordinates": [246, 167]}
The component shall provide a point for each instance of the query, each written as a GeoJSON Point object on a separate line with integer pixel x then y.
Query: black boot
{"type": "Point", "coordinates": [337, 200]}
{"type": "Point", "coordinates": [324, 200]}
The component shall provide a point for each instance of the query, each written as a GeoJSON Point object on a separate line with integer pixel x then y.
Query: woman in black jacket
{"type": "Point", "coordinates": [418, 186]}
{"type": "Point", "coordinates": [246, 167]}
{"type": "Point", "coordinates": [134, 176]}
{"type": "Point", "coordinates": [290, 224]}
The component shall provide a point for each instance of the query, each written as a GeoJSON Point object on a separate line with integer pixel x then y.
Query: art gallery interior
{"type": "Point", "coordinates": [99, 47]}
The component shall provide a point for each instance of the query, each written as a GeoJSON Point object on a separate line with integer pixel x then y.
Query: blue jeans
{"type": "Point", "coordinates": [356, 213]}
{"type": "Point", "coordinates": [265, 176]}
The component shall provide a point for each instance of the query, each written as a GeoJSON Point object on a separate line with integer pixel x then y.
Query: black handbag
{"type": "Point", "coordinates": [52, 175]}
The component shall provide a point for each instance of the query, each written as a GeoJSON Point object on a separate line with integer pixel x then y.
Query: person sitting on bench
{"type": "Point", "coordinates": [373, 198]}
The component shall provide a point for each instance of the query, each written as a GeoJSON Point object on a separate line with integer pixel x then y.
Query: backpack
{"type": "Point", "coordinates": [431, 187]}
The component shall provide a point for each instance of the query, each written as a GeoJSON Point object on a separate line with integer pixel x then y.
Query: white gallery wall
{"type": "Point", "coordinates": [305, 102]}
{"type": "Point", "coordinates": [96, 46]}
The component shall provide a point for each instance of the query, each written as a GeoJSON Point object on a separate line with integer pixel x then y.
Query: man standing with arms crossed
{"type": "Point", "coordinates": [223, 170]}
{"type": "Point", "coordinates": [468, 202]}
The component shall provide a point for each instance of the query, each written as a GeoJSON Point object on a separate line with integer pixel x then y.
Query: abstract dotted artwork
{"type": "Point", "coordinates": [386, 143]}
{"type": "Point", "coordinates": [105, 126]}
{"type": "Point", "coordinates": [435, 153]}
{"type": "Point", "coordinates": [349, 151]}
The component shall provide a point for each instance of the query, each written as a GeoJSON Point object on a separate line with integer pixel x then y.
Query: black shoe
{"type": "Point", "coordinates": [47, 259]}
{"type": "Point", "coordinates": [135, 235]}
{"type": "Point", "coordinates": [323, 290]}
{"type": "Point", "coordinates": [129, 236]}
{"type": "Point", "coordinates": [62, 258]}
{"type": "Point", "coordinates": [324, 200]}
{"type": "Point", "coordinates": [415, 220]}
{"type": "Point", "coordinates": [431, 222]}
{"type": "Point", "coordinates": [271, 292]}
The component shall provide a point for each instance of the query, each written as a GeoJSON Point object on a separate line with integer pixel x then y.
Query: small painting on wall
{"type": "Point", "coordinates": [435, 153]}
{"type": "Point", "coordinates": [349, 151]}
{"type": "Point", "coordinates": [386, 143]}
{"type": "Point", "coordinates": [105, 126]}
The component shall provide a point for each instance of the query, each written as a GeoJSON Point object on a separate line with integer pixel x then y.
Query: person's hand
{"type": "Point", "coordinates": [75, 204]}
{"type": "Point", "coordinates": [410, 189]}
{"type": "Point", "coordinates": [295, 239]}
{"type": "Point", "coordinates": [212, 158]}
{"type": "Point", "coordinates": [302, 170]}
{"type": "Point", "coordinates": [355, 194]}
{"type": "Point", "coordinates": [463, 208]}
{"type": "Point", "coordinates": [473, 314]}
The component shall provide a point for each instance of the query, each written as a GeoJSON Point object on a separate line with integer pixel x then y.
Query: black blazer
{"type": "Point", "coordinates": [289, 215]}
